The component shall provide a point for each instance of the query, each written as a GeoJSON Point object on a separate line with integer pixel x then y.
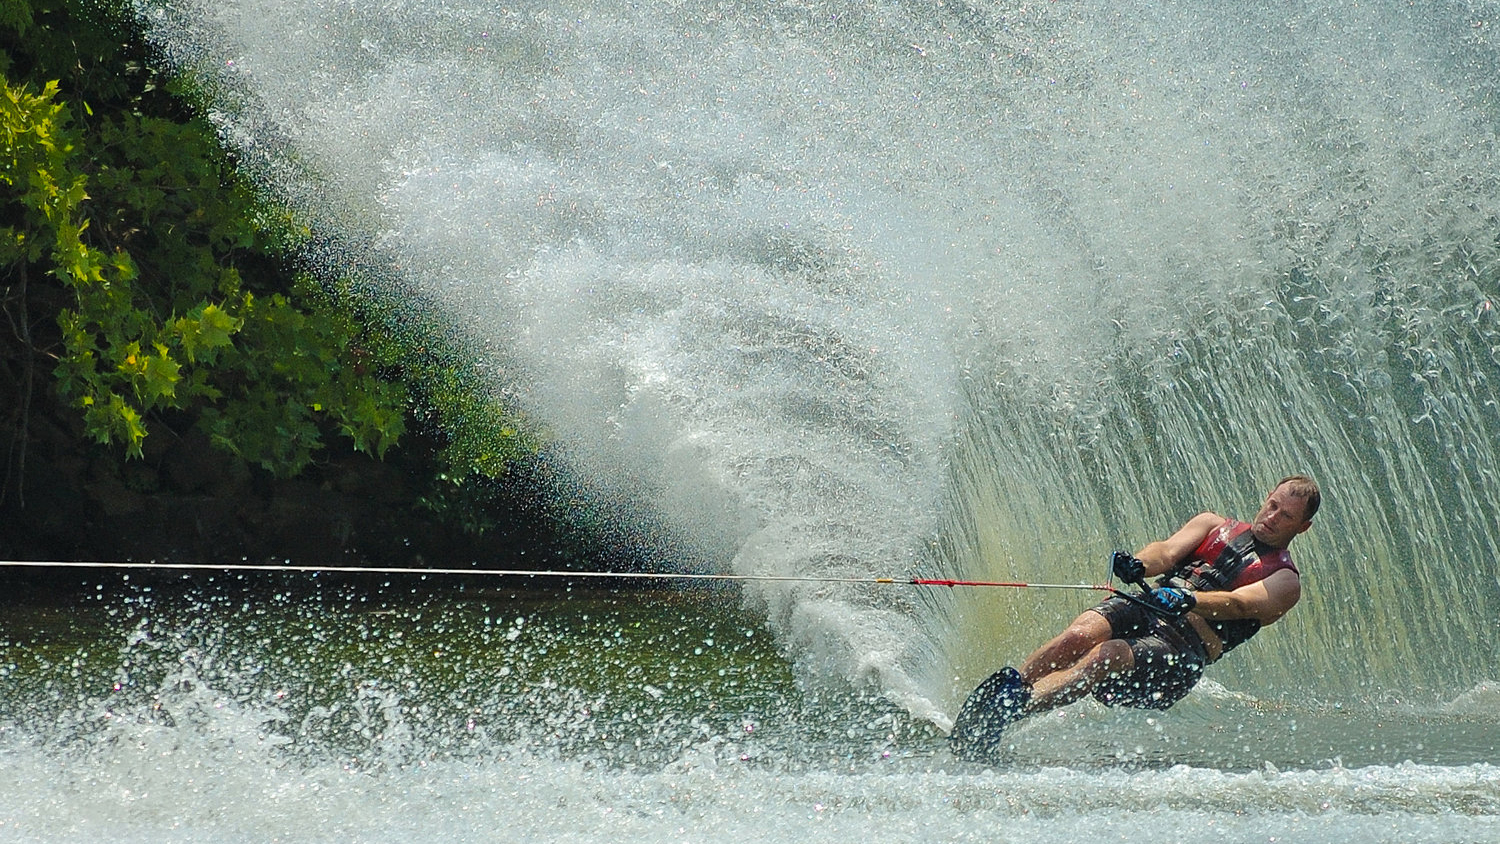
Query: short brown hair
{"type": "Point", "coordinates": [1305, 488]}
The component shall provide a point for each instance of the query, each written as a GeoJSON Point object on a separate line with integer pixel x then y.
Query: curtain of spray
{"type": "Point", "coordinates": [780, 264]}
{"type": "Point", "coordinates": [1358, 342]}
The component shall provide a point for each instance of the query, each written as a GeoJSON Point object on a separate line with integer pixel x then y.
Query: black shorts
{"type": "Point", "coordinates": [1169, 657]}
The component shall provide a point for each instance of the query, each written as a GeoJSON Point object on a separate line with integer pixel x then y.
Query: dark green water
{"type": "Point", "coordinates": [261, 708]}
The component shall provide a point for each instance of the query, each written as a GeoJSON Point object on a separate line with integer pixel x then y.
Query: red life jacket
{"type": "Point", "coordinates": [1228, 558]}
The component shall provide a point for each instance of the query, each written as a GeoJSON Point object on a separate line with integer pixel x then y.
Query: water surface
{"type": "Point", "coordinates": [245, 710]}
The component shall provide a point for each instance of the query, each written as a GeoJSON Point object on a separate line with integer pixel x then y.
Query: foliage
{"type": "Point", "coordinates": [481, 436]}
{"type": "Point", "coordinates": [179, 309]}
{"type": "Point", "coordinates": [162, 318]}
{"type": "Point", "coordinates": [179, 304]}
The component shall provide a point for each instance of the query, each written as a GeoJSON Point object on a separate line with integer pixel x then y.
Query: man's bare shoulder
{"type": "Point", "coordinates": [1206, 521]}
{"type": "Point", "coordinates": [1198, 527]}
{"type": "Point", "coordinates": [1176, 547]}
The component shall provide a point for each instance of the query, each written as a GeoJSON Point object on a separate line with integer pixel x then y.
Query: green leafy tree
{"type": "Point", "coordinates": [161, 318]}
{"type": "Point", "coordinates": [120, 214]}
{"type": "Point", "coordinates": [177, 307]}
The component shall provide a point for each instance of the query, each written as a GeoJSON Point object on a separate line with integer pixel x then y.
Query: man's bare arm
{"type": "Point", "coordinates": [1160, 556]}
{"type": "Point", "coordinates": [1265, 600]}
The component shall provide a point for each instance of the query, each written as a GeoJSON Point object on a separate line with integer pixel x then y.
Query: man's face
{"type": "Point", "coordinates": [1280, 518]}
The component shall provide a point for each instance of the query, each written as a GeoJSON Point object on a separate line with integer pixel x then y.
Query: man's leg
{"type": "Point", "coordinates": [1112, 658]}
{"type": "Point", "coordinates": [1088, 631]}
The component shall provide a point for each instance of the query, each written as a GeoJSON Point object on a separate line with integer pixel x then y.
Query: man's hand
{"type": "Point", "coordinates": [1127, 567]}
{"type": "Point", "coordinates": [1172, 601]}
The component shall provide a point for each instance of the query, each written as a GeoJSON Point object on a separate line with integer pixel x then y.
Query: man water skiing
{"type": "Point", "coordinates": [1219, 582]}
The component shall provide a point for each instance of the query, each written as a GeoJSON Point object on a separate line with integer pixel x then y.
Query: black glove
{"type": "Point", "coordinates": [1172, 601]}
{"type": "Point", "coordinates": [1127, 567]}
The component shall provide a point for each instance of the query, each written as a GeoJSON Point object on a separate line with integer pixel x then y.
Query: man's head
{"type": "Point", "coordinates": [1287, 511]}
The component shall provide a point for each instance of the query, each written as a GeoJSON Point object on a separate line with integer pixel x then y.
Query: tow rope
{"type": "Point", "coordinates": [551, 573]}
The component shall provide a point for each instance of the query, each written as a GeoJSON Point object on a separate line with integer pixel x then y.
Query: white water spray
{"type": "Point", "coordinates": [823, 281]}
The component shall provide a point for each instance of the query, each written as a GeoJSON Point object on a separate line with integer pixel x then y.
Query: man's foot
{"type": "Point", "coordinates": [989, 709]}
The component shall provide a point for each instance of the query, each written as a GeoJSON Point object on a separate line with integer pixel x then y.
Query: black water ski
{"type": "Point", "coordinates": [989, 709]}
